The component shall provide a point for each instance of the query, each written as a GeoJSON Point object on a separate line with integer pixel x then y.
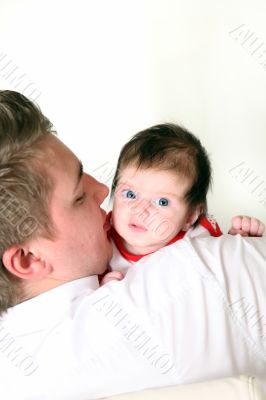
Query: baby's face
{"type": "Point", "coordinates": [150, 208]}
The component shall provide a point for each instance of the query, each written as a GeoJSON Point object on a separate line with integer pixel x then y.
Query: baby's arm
{"type": "Point", "coordinates": [246, 226]}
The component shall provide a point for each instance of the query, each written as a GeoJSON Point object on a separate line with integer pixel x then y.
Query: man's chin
{"type": "Point", "coordinates": [106, 268]}
{"type": "Point", "coordinates": [104, 271]}
{"type": "Point", "coordinates": [110, 250]}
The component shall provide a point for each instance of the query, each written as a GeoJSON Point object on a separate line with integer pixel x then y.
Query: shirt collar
{"type": "Point", "coordinates": [46, 309]}
{"type": "Point", "coordinates": [207, 221]}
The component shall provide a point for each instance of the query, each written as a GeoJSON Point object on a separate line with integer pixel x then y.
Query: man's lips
{"type": "Point", "coordinates": [107, 226]}
{"type": "Point", "coordinates": [137, 228]}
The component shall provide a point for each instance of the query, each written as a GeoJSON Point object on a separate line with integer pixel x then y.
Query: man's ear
{"type": "Point", "coordinates": [192, 217]}
{"type": "Point", "coordinates": [22, 263]}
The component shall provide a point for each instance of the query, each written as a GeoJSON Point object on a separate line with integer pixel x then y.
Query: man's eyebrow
{"type": "Point", "coordinates": [79, 175]}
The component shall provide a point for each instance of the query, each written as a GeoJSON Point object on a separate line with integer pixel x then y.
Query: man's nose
{"type": "Point", "coordinates": [101, 192]}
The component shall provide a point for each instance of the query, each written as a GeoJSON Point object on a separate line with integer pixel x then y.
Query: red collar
{"type": "Point", "coordinates": [206, 221]}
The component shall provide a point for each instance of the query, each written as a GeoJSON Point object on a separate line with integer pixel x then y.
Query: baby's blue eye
{"type": "Point", "coordinates": [129, 194]}
{"type": "Point", "coordinates": [161, 202]}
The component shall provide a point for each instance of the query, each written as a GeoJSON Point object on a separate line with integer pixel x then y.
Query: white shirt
{"type": "Point", "coordinates": [198, 312]}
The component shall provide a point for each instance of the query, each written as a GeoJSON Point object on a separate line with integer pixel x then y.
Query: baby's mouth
{"type": "Point", "coordinates": [137, 228]}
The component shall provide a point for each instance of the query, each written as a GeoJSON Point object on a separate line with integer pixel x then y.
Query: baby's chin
{"type": "Point", "coordinates": [141, 248]}
{"type": "Point", "coordinates": [142, 241]}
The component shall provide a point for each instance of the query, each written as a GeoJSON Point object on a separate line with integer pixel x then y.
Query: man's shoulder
{"type": "Point", "coordinates": [229, 244]}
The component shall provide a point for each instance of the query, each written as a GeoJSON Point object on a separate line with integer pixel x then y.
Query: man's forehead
{"type": "Point", "coordinates": [57, 153]}
{"type": "Point", "coordinates": [60, 160]}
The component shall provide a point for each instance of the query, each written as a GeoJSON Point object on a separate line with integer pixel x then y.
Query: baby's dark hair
{"type": "Point", "coordinates": [171, 148]}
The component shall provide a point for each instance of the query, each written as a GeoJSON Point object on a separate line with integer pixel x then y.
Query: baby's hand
{"type": "Point", "coordinates": [246, 226]}
{"type": "Point", "coordinates": [111, 276]}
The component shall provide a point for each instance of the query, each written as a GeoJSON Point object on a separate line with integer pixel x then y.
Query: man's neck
{"type": "Point", "coordinates": [34, 288]}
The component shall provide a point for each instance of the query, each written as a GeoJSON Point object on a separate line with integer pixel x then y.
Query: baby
{"type": "Point", "coordinates": [160, 195]}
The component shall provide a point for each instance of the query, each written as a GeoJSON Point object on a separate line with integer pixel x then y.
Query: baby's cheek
{"type": "Point", "coordinates": [162, 229]}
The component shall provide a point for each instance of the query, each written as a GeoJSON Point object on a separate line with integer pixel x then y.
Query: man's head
{"type": "Point", "coordinates": [23, 189]}
{"type": "Point", "coordinates": [159, 158]}
{"type": "Point", "coordinates": [52, 226]}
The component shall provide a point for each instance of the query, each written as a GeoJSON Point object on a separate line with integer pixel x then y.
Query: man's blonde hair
{"type": "Point", "coordinates": [24, 185]}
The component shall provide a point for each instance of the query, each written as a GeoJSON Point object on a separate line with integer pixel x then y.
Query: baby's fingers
{"type": "Point", "coordinates": [112, 276]}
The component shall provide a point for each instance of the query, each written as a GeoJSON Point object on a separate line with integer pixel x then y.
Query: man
{"type": "Point", "coordinates": [202, 318]}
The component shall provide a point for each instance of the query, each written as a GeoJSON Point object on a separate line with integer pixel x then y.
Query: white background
{"type": "Point", "coordinates": [102, 70]}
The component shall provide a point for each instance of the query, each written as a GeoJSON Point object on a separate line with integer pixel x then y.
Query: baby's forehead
{"type": "Point", "coordinates": [135, 171]}
{"type": "Point", "coordinates": [153, 179]}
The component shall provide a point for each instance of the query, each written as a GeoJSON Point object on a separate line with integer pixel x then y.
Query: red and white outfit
{"type": "Point", "coordinates": [122, 260]}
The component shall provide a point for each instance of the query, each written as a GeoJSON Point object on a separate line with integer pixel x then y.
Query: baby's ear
{"type": "Point", "coordinates": [192, 217]}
